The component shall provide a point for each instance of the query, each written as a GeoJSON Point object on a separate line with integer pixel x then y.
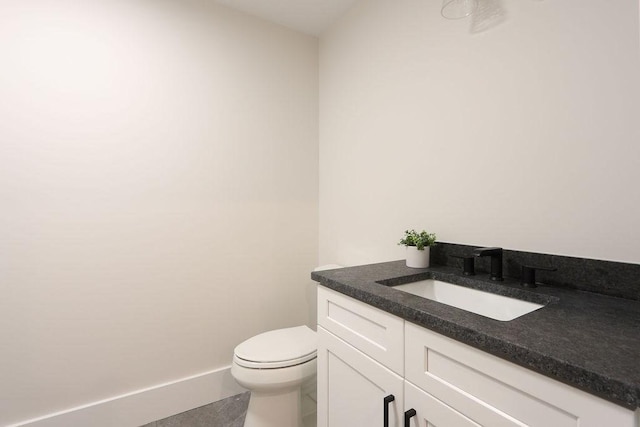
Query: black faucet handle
{"type": "Point", "coordinates": [468, 266]}
{"type": "Point", "coordinates": [529, 274]}
{"type": "Point", "coordinates": [496, 261]}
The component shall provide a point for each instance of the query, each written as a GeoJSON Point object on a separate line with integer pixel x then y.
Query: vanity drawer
{"type": "Point", "coordinates": [376, 333]}
{"type": "Point", "coordinates": [488, 387]}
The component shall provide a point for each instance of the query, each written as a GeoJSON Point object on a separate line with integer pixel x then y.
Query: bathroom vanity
{"type": "Point", "coordinates": [391, 358]}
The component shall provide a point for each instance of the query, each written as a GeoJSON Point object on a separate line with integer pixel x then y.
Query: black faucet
{"type": "Point", "coordinates": [496, 261]}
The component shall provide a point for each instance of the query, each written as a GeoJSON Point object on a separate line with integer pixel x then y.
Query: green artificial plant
{"type": "Point", "coordinates": [419, 240]}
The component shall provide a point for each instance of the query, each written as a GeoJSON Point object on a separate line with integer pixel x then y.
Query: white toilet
{"type": "Point", "coordinates": [279, 368]}
{"type": "Point", "coordinates": [275, 366]}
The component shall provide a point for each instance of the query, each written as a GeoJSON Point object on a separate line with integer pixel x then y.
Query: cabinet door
{"type": "Point", "coordinates": [431, 412]}
{"type": "Point", "coordinates": [352, 387]}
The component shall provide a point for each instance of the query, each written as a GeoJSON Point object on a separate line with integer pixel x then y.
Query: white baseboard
{"type": "Point", "coordinates": [143, 406]}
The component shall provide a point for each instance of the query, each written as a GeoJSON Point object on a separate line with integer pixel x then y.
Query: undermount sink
{"type": "Point", "coordinates": [494, 306]}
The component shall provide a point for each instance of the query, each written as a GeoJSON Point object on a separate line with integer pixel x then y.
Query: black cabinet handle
{"type": "Point", "coordinates": [387, 400]}
{"type": "Point", "coordinates": [407, 417]}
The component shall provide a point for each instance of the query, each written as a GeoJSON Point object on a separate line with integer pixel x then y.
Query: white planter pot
{"type": "Point", "coordinates": [416, 258]}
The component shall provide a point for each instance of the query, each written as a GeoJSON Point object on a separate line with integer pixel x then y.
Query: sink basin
{"type": "Point", "coordinates": [494, 306]}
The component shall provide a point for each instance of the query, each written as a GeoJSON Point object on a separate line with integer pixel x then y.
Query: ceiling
{"type": "Point", "coordinates": [307, 16]}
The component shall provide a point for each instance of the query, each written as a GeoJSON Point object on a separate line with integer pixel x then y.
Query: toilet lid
{"type": "Point", "coordinates": [277, 349]}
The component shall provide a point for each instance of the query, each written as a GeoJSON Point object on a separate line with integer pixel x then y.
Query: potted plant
{"type": "Point", "coordinates": [418, 245]}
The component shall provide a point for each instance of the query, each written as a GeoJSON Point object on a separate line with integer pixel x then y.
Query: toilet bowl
{"type": "Point", "coordinates": [274, 366]}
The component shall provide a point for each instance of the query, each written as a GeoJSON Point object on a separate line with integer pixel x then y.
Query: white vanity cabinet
{"type": "Point", "coordinates": [366, 354]}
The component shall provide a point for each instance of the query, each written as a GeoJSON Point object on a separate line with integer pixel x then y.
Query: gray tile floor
{"type": "Point", "coordinates": [229, 412]}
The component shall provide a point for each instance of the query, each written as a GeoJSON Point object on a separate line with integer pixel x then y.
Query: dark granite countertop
{"type": "Point", "coordinates": [587, 340]}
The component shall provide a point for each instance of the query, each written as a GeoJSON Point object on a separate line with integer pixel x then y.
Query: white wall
{"type": "Point", "coordinates": [523, 136]}
{"type": "Point", "coordinates": [158, 188]}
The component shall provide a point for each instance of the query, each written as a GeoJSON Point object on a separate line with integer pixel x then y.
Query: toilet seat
{"type": "Point", "coordinates": [280, 348]}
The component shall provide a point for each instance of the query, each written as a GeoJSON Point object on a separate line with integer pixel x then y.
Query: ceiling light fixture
{"type": "Point", "coordinates": [456, 9]}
